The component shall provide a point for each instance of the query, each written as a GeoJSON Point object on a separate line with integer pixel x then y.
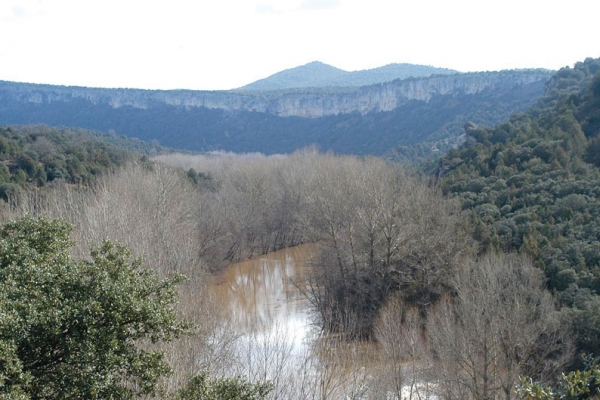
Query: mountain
{"type": "Point", "coordinates": [365, 120]}
{"type": "Point", "coordinates": [310, 75]}
{"type": "Point", "coordinates": [317, 74]}
{"type": "Point", "coordinates": [311, 103]}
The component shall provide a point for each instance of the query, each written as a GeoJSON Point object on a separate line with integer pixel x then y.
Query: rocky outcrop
{"type": "Point", "coordinates": [302, 103]}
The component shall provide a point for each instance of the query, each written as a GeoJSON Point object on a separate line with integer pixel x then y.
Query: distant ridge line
{"type": "Point", "coordinates": [317, 74]}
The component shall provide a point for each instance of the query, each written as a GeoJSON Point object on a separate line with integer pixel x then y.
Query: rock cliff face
{"type": "Point", "coordinates": [302, 103]}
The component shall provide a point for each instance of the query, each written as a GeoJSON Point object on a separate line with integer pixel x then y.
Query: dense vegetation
{"type": "Point", "coordinates": [38, 155]}
{"type": "Point", "coordinates": [576, 385]}
{"type": "Point", "coordinates": [34, 156]}
{"type": "Point", "coordinates": [72, 328]}
{"type": "Point", "coordinates": [390, 247]}
{"type": "Point", "coordinates": [88, 328]}
{"type": "Point", "coordinates": [533, 186]}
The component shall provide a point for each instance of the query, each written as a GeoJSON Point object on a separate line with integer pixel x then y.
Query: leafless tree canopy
{"type": "Point", "coordinates": [392, 264]}
{"type": "Point", "coordinates": [501, 324]}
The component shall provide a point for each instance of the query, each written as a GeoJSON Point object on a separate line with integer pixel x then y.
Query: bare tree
{"type": "Point", "coordinates": [501, 324]}
{"type": "Point", "coordinates": [384, 237]}
{"type": "Point", "coordinates": [381, 231]}
{"type": "Point", "coordinates": [404, 358]}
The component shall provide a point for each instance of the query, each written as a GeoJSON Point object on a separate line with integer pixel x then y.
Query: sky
{"type": "Point", "coordinates": [225, 44]}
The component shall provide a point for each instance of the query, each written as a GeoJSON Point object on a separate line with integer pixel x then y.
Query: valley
{"type": "Point", "coordinates": [310, 274]}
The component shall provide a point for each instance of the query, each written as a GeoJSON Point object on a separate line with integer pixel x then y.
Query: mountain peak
{"type": "Point", "coordinates": [316, 62]}
{"type": "Point", "coordinates": [307, 75]}
{"type": "Point", "coordinates": [318, 74]}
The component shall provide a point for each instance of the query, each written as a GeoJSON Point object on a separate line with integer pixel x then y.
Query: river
{"type": "Point", "coordinates": [265, 295]}
{"type": "Point", "coordinates": [267, 307]}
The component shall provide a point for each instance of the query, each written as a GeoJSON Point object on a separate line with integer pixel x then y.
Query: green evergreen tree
{"type": "Point", "coordinates": [74, 328]}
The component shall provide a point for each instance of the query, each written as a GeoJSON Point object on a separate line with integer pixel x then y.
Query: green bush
{"type": "Point", "coordinates": [577, 385]}
{"type": "Point", "coordinates": [202, 387]}
{"type": "Point", "coordinates": [74, 328]}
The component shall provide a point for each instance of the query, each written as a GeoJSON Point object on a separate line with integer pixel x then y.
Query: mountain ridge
{"type": "Point", "coordinates": [367, 120]}
{"type": "Point", "coordinates": [318, 74]}
{"type": "Point", "coordinates": [299, 102]}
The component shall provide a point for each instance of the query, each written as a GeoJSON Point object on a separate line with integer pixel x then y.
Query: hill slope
{"type": "Point", "coordinates": [310, 75]}
{"type": "Point", "coordinates": [533, 185]}
{"type": "Point", "coordinates": [318, 74]}
{"type": "Point", "coordinates": [366, 120]}
{"type": "Point", "coordinates": [38, 155]}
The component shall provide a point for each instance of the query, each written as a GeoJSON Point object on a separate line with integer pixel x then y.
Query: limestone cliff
{"type": "Point", "coordinates": [301, 102]}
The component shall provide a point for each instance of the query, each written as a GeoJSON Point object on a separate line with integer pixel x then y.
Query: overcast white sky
{"type": "Point", "coordinates": [224, 44]}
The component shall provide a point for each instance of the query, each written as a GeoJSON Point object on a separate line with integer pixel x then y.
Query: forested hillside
{"type": "Point", "coordinates": [369, 120]}
{"type": "Point", "coordinates": [533, 186]}
{"type": "Point", "coordinates": [34, 156]}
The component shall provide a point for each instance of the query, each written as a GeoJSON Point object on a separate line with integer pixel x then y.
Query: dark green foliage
{"type": "Point", "coordinates": [74, 329]}
{"type": "Point", "coordinates": [193, 175]}
{"type": "Point", "coordinates": [592, 151]}
{"type": "Point", "coordinates": [202, 180]}
{"type": "Point", "coordinates": [202, 387]}
{"type": "Point", "coordinates": [577, 385]}
{"type": "Point", "coordinates": [36, 155]}
{"type": "Point", "coordinates": [130, 144]}
{"type": "Point", "coordinates": [533, 185]}
{"type": "Point", "coordinates": [422, 154]}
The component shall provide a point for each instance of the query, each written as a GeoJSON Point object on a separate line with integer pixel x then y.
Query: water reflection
{"type": "Point", "coordinates": [265, 296]}
{"type": "Point", "coordinates": [270, 317]}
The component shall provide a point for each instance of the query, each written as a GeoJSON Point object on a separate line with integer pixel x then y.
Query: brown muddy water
{"type": "Point", "coordinates": [265, 305]}
{"type": "Point", "coordinates": [265, 295]}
